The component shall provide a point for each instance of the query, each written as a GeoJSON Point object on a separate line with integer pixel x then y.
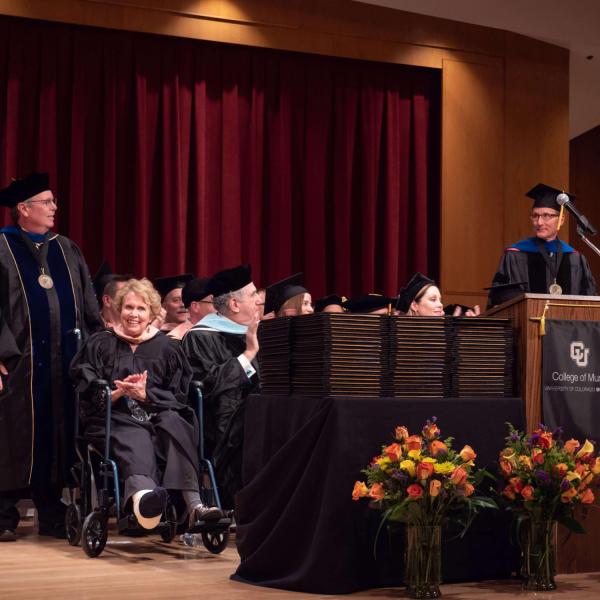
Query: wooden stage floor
{"type": "Point", "coordinates": [40, 568]}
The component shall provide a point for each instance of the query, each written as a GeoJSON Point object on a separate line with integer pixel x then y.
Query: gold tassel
{"type": "Point", "coordinates": [543, 324]}
{"type": "Point", "coordinates": [560, 217]}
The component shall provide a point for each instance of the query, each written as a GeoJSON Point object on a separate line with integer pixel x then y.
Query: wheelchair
{"type": "Point", "coordinates": [96, 495]}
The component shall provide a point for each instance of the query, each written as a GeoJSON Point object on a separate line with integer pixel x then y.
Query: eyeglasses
{"type": "Point", "coordinates": [47, 202]}
{"type": "Point", "coordinates": [544, 217]}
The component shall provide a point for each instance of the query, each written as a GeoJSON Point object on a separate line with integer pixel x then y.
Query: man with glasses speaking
{"type": "Point", "coordinates": [45, 294]}
{"type": "Point", "coordinates": [542, 264]}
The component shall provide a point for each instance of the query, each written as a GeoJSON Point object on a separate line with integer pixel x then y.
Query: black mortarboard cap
{"type": "Point", "coordinates": [322, 303]}
{"type": "Point", "coordinates": [367, 302]}
{"type": "Point", "coordinates": [20, 190]}
{"type": "Point", "coordinates": [194, 290]}
{"type": "Point", "coordinates": [103, 275]}
{"type": "Point", "coordinates": [278, 293]}
{"type": "Point", "coordinates": [411, 290]}
{"type": "Point", "coordinates": [544, 196]}
{"type": "Point", "coordinates": [229, 280]}
{"type": "Point", "coordinates": [164, 285]}
{"type": "Point", "coordinates": [503, 292]}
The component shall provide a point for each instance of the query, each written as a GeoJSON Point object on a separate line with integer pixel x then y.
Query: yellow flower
{"type": "Point", "coordinates": [429, 459]}
{"type": "Point", "coordinates": [587, 448]}
{"type": "Point", "coordinates": [571, 476]}
{"type": "Point", "coordinates": [444, 468]}
{"type": "Point", "coordinates": [409, 466]}
{"type": "Point", "coordinates": [414, 454]}
{"type": "Point", "coordinates": [383, 462]}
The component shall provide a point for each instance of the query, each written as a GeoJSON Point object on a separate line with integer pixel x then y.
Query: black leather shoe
{"type": "Point", "coordinates": [8, 535]}
{"type": "Point", "coordinates": [53, 530]}
{"type": "Point", "coordinates": [200, 512]}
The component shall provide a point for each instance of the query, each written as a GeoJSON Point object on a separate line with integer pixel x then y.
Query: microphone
{"type": "Point", "coordinates": [564, 200]}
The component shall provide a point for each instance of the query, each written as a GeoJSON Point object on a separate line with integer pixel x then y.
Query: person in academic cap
{"type": "Point", "coordinates": [46, 293]}
{"type": "Point", "coordinates": [330, 304]}
{"type": "Point", "coordinates": [222, 351]}
{"type": "Point", "coordinates": [369, 304]}
{"type": "Point", "coordinates": [154, 431]}
{"type": "Point", "coordinates": [107, 284]}
{"type": "Point", "coordinates": [198, 303]}
{"type": "Point", "coordinates": [288, 297]}
{"type": "Point", "coordinates": [174, 312]}
{"type": "Point", "coordinates": [421, 297]}
{"type": "Point", "coordinates": [543, 263]}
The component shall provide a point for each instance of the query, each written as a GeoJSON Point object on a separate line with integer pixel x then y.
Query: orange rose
{"type": "Point", "coordinates": [414, 491]}
{"type": "Point", "coordinates": [431, 431]}
{"type": "Point", "coordinates": [360, 490]}
{"type": "Point", "coordinates": [506, 467]}
{"type": "Point", "coordinates": [527, 493]}
{"type": "Point", "coordinates": [469, 489]}
{"type": "Point", "coordinates": [434, 487]}
{"type": "Point", "coordinates": [467, 454]}
{"type": "Point", "coordinates": [537, 455]}
{"type": "Point", "coordinates": [424, 470]}
{"type": "Point", "coordinates": [561, 469]}
{"type": "Point", "coordinates": [509, 492]}
{"type": "Point", "coordinates": [525, 461]}
{"type": "Point", "coordinates": [568, 496]}
{"type": "Point", "coordinates": [546, 439]}
{"type": "Point", "coordinates": [459, 476]}
{"type": "Point", "coordinates": [376, 492]}
{"type": "Point", "coordinates": [587, 497]}
{"type": "Point", "coordinates": [516, 483]}
{"type": "Point", "coordinates": [580, 468]}
{"type": "Point", "coordinates": [393, 451]}
{"type": "Point", "coordinates": [413, 442]}
{"type": "Point", "coordinates": [571, 446]}
{"type": "Point", "coordinates": [401, 433]}
{"type": "Point", "coordinates": [436, 447]}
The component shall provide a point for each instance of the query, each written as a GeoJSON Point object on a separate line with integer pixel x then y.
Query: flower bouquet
{"type": "Point", "coordinates": [420, 480]}
{"type": "Point", "coordinates": [545, 479]}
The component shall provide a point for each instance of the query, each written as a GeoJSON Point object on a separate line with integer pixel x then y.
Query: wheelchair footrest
{"type": "Point", "coordinates": [209, 526]}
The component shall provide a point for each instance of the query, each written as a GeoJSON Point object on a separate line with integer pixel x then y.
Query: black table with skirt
{"type": "Point", "coordinates": [298, 527]}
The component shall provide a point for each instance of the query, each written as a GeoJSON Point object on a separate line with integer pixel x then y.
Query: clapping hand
{"type": "Point", "coordinates": [4, 372]}
{"type": "Point", "coordinates": [133, 386]}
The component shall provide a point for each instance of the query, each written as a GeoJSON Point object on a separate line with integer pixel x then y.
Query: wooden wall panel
{"type": "Point", "coordinates": [472, 210]}
{"type": "Point", "coordinates": [585, 184]}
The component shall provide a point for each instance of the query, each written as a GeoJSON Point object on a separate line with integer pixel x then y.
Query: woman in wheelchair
{"type": "Point", "coordinates": [154, 432]}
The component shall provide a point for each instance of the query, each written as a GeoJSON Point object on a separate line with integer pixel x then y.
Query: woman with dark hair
{"type": "Point", "coordinates": [421, 297]}
{"type": "Point", "coordinates": [154, 433]}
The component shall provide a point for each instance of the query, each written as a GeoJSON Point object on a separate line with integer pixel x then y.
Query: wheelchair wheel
{"type": "Point", "coordinates": [94, 534]}
{"type": "Point", "coordinates": [169, 527]}
{"type": "Point", "coordinates": [215, 541]}
{"type": "Point", "coordinates": [73, 524]}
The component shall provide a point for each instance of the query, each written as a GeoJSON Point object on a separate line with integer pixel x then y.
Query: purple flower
{"type": "Point", "coordinates": [542, 476]}
{"type": "Point", "coordinates": [399, 475]}
{"type": "Point", "coordinates": [565, 484]}
{"type": "Point", "coordinates": [514, 437]}
{"type": "Point", "coordinates": [533, 439]}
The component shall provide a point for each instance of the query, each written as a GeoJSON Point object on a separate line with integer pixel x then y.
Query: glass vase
{"type": "Point", "coordinates": [423, 561]}
{"type": "Point", "coordinates": [538, 555]}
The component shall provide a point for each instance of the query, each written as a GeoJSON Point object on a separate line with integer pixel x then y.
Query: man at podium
{"type": "Point", "coordinates": [543, 264]}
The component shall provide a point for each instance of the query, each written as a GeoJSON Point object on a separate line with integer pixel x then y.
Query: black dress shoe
{"type": "Point", "coordinates": [200, 512]}
{"type": "Point", "coordinates": [8, 535]}
{"type": "Point", "coordinates": [56, 530]}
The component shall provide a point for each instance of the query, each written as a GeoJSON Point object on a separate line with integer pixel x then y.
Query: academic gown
{"type": "Point", "coordinates": [164, 448]}
{"type": "Point", "coordinates": [213, 357]}
{"type": "Point", "coordinates": [523, 262]}
{"type": "Point", "coordinates": [36, 346]}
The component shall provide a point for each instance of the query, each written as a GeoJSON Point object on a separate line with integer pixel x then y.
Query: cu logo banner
{"type": "Point", "coordinates": [580, 354]}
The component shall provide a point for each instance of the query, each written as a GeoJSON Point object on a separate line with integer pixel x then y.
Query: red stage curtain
{"type": "Point", "coordinates": [172, 155]}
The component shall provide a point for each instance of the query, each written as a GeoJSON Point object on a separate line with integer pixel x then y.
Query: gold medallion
{"type": "Point", "coordinates": [555, 289]}
{"type": "Point", "coordinates": [46, 281]}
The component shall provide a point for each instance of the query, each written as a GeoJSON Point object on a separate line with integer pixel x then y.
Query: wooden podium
{"type": "Point", "coordinates": [577, 553]}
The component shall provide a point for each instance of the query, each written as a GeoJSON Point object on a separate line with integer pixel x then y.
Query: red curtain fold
{"type": "Point", "coordinates": [172, 155]}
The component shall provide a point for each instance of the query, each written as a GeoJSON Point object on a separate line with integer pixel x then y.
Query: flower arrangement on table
{"type": "Point", "coordinates": [546, 478]}
{"type": "Point", "coordinates": [422, 481]}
